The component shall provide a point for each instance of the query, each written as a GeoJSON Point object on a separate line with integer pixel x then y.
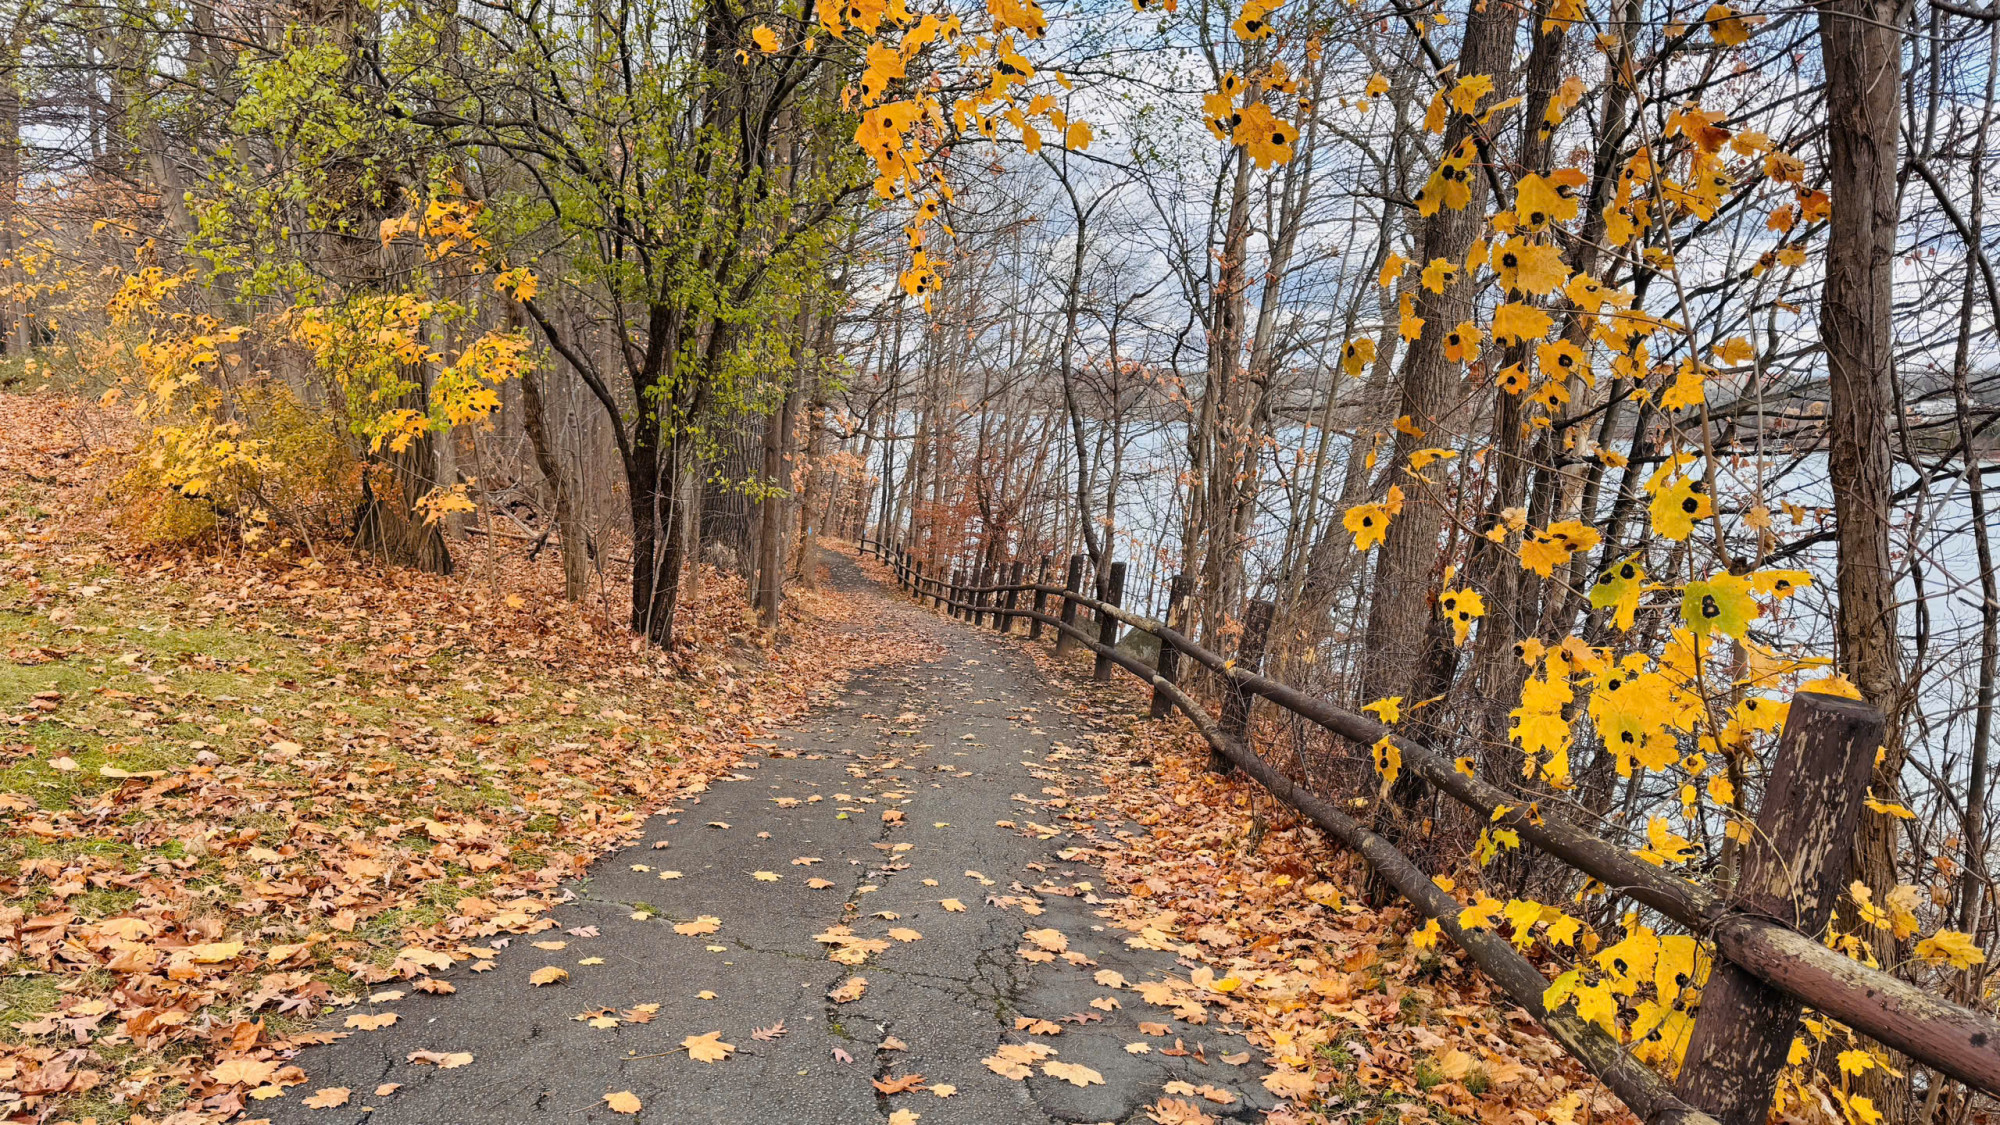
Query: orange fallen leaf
{"type": "Point", "coordinates": [622, 1102]}
{"type": "Point", "coordinates": [329, 1098]}
{"type": "Point", "coordinates": [708, 1048]}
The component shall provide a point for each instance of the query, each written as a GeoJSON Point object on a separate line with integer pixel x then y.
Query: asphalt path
{"type": "Point", "coordinates": [984, 771]}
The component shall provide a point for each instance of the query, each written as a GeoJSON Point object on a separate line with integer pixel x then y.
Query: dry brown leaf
{"type": "Point", "coordinates": [849, 990]}
{"type": "Point", "coordinates": [707, 1048]}
{"type": "Point", "coordinates": [624, 1101]}
{"type": "Point", "coordinates": [705, 924]}
{"type": "Point", "coordinates": [548, 974]}
{"type": "Point", "coordinates": [1076, 1074]}
{"type": "Point", "coordinates": [900, 1085]}
{"type": "Point", "coordinates": [330, 1098]}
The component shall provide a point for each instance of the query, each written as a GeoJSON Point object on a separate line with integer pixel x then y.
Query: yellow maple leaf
{"type": "Point", "coordinates": [624, 1101]}
{"type": "Point", "coordinates": [1481, 915]}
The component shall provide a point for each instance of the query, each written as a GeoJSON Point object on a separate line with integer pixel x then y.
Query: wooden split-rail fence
{"type": "Point", "coordinates": [1769, 964]}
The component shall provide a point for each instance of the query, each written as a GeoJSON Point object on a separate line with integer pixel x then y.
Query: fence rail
{"type": "Point", "coordinates": [1767, 962]}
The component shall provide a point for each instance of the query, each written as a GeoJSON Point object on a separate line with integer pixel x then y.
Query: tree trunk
{"type": "Point", "coordinates": [575, 546]}
{"type": "Point", "coordinates": [1860, 47]}
{"type": "Point", "coordinates": [771, 513]}
{"type": "Point", "coordinates": [1400, 613]}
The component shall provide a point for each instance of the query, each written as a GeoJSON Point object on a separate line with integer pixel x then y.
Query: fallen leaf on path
{"type": "Point", "coordinates": [766, 876]}
{"type": "Point", "coordinates": [548, 974]}
{"type": "Point", "coordinates": [329, 1098]}
{"type": "Point", "coordinates": [1034, 1026]}
{"type": "Point", "coordinates": [371, 1023]}
{"type": "Point", "coordinates": [387, 1088]}
{"type": "Point", "coordinates": [1173, 1111]}
{"type": "Point", "coordinates": [1055, 941]}
{"type": "Point", "coordinates": [766, 1034]}
{"type": "Point", "coordinates": [943, 1089]}
{"type": "Point", "coordinates": [953, 905]}
{"type": "Point", "coordinates": [819, 884]}
{"type": "Point", "coordinates": [1138, 1049]}
{"type": "Point", "coordinates": [1076, 1074]}
{"type": "Point", "coordinates": [849, 991]}
{"type": "Point", "coordinates": [552, 946]}
{"type": "Point", "coordinates": [707, 1048]}
{"type": "Point", "coordinates": [622, 1102]}
{"type": "Point", "coordinates": [443, 1060]}
{"type": "Point", "coordinates": [902, 1085]}
{"type": "Point", "coordinates": [903, 933]}
{"type": "Point", "coordinates": [705, 924]}
{"type": "Point", "coordinates": [1109, 978]}
{"type": "Point", "coordinates": [904, 1117]}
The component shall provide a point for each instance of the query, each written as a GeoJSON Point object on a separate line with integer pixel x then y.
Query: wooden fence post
{"type": "Point", "coordinates": [1168, 666]}
{"type": "Point", "coordinates": [1006, 622]}
{"type": "Point", "coordinates": [952, 591]}
{"type": "Point", "coordinates": [1064, 643]}
{"type": "Point", "coordinates": [1107, 625]}
{"type": "Point", "coordinates": [1041, 600]}
{"type": "Point", "coordinates": [1792, 872]}
{"type": "Point", "coordinates": [1236, 702]}
{"type": "Point", "coordinates": [979, 595]}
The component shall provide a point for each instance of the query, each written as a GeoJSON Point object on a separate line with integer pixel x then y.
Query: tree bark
{"type": "Point", "coordinates": [1860, 48]}
{"type": "Point", "coordinates": [575, 545]}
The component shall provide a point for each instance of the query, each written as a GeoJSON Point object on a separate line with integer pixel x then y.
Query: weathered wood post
{"type": "Point", "coordinates": [1006, 622]}
{"type": "Point", "coordinates": [951, 607]}
{"type": "Point", "coordinates": [1107, 625]}
{"type": "Point", "coordinates": [1792, 872]}
{"type": "Point", "coordinates": [1235, 701]}
{"type": "Point", "coordinates": [1168, 667]}
{"type": "Point", "coordinates": [1041, 600]}
{"type": "Point", "coordinates": [1064, 643]}
{"type": "Point", "coordinates": [979, 595]}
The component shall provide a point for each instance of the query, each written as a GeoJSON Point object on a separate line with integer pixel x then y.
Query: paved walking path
{"type": "Point", "coordinates": [961, 746]}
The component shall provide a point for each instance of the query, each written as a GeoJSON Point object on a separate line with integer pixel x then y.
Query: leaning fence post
{"type": "Point", "coordinates": [1064, 642]}
{"type": "Point", "coordinates": [1792, 871]}
{"type": "Point", "coordinates": [951, 592]}
{"type": "Point", "coordinates": [1006, 622]}
{"type": "Point", "coordinates": [1235, 701]}
{"type": "Point", "coordinates": [1168, 666]}
{"type": "Point", "coordinates": [1041, 600]}
{"type": "Point", "coordinates": [1107, 625]}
